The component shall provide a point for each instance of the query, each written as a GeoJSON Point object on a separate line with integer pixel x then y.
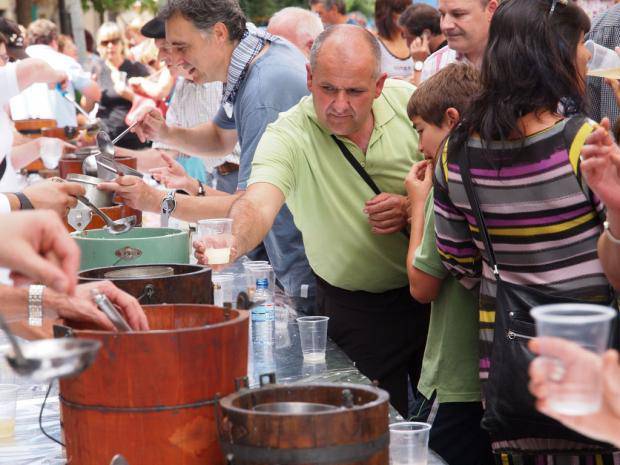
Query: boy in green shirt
{"type": "Point", "coordinates": [450, 364]}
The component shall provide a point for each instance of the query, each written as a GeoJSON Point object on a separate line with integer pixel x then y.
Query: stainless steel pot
{"type": "Point", "coordinates": [98, 198]}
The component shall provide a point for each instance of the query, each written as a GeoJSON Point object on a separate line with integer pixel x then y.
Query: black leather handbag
{"type": "Point", "coordinates": [510, 411]}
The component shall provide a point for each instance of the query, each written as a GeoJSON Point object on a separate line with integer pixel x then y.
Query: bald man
{"type": "Point", "coordinates": [298, 26]}
{"type": "Point", "coordinates": [353, 237]}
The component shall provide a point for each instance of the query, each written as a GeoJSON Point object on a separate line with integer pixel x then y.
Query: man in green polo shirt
{"type": "Point", "coordinates": [353, 238]}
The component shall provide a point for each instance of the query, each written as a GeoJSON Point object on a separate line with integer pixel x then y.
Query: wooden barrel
{"type": "Point", "coordinates": [115, 212]}
{"type": "Point", "coordinates": [343, 424]}
{"type": "Point", "coordinates": [33, 126]}
{"type": "Point", "coordinates": [150, 396]}
{"type": "Point", "coordinates": [187, 284]}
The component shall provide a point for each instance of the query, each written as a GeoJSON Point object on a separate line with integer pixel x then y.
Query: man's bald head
{"type": "Point", "coordinates": [300, 27]}
{"type": "Point", "coordinates": [351, 43]}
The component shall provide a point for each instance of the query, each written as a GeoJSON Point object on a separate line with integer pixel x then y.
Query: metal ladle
{"type": "Point", "coordinates": [22, 365]}
{"type": "Point", "coordinates": [106, 145]}
{"type": "Point", "coordinates": [48, 359]}
{"type": "Point", "coordinates": [119, 226]}
{"type": "Point", "coordinates": [89, 165]}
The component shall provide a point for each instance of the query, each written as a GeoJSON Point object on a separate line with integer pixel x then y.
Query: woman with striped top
{"type": "Point", "coordinates": [542, 219]}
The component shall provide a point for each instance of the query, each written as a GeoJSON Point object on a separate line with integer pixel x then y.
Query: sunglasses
{"type": "Point", "coordinates": [105, 43]}
{"type": "Point", "coordinates": [554, 3]}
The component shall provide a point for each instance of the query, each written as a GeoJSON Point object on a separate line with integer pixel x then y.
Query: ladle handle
{"type": "Point", "coordinates": [103, 216]}
{"type": "Point", "coordinates": [21, 360]}
{"type": "Point", "coordinates": [110, 311]}
{"type": "Point", "coordinates": [65, 94]}
{"type": "Point", "coordinates": [122, 134]}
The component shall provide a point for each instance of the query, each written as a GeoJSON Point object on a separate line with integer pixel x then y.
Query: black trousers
{"type": "Point", "coordinates": [383, 334]}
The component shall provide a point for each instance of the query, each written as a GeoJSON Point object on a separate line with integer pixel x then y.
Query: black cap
{"type": "Point", "coordinates": [154, 29]}
{"type": "Point", "coordinates": [16, 48]}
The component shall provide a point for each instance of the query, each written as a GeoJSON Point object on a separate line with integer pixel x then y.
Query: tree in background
{"type": "Point", "coordinates": [258, 10]}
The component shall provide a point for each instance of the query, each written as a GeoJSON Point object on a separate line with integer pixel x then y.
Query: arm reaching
{"type": "Point", "coordinates": [253, 215]}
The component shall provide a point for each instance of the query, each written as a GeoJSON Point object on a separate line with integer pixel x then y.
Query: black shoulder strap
{"type": "Point", "coordinates": [356, 165]}
{"type": "Point", "coordinates": [475, 206]}
{"type": "Point", "coordinates": [2, 167]}
{"type": "Point", "coordinates": [361, 171]}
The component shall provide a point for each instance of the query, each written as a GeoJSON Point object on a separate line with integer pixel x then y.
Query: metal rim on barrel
{"type": "Point", "coordinates": [97, 274]}
{"type": "Point", "coordinates": [231, 402]}
{"type": "Point", "coordinates": [234, 316]}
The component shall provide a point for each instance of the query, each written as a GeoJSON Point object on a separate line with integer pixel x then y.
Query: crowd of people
{"type": "Point", "coordinates": [422, 183]}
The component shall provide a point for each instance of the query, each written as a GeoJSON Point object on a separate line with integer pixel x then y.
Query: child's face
{"type": "Point", "coordinates": [431, 136]}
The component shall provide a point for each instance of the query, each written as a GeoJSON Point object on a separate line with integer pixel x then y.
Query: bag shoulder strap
{"type": "Point", "coordinates": [2, 167]}
{"type": "Point", "coordinates": [361, 171]}
{"type": "Point", "coordinates": [463, 159]}
{"type": "Point", "coordinates": [356, 165]}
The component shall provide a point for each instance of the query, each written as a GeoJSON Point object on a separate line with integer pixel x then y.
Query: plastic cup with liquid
{"type": "Point", "coordinates": [578, 386]}
{"type": "Point", "coordinates": [222, 288]}
{"type": "Point", "coordinates": [409, 443]}
{"type": "Point", "coordinates": [313, 337]}
{"type": "Point", "coordinates": [50, 152]}
{"type": "Point", "coordinates": [604, 63]}
{"type": "Point", "coordinates": [8, 404]}
{"type": "Point", "coordinates": [217, 236]}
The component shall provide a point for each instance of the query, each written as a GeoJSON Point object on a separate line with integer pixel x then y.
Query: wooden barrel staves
{"type": "Point", "coordinates": [186, 284]}
{"type": "Point", "coordinates": [150, 396]}
{"type": "Point", "coordinates": [319, 424]}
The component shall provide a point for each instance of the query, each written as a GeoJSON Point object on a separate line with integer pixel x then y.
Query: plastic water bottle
{"type": "Point", "coordinates": [262, 314]}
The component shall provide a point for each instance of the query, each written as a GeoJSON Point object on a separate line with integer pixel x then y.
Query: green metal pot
{"type": "Point", "coordinates": [140, 246]}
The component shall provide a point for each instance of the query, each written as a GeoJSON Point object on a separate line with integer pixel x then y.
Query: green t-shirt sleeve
{"type": "Point", "coordinates": [427, 257]}
{"type": "Point", "coordinates": [274, 162]}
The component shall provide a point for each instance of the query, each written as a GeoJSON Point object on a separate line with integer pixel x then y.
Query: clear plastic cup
{"type": "Point", "coordinates": [588, 326]}
{"type": "Point", "coordinates": [313, 336]}
{"type": "Point", "coordinates": [223, 284]}
{"type": "Point", "coordinates": [50, 152]}
{"type": "Point", "coordinates": [259, 270]}
{"type": "Point", "coordinates": [604, 62]}
{"type": "Point", "coordinates": [216, 233]}
{"type": "Point", "coordinates": [8, 404]}
{"type": "Point", "coordinates": [409, 443]}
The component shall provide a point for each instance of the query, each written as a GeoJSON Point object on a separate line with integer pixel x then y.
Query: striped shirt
{"type": "Point", "coordinates": [439, 60]}
{"type": "Point", "coordinates": [193, 104]}
{"type": "Point", "coordinates": [542, 219]}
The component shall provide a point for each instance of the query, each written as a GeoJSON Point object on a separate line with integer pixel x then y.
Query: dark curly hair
{"type": "Point", "coordinates": [529, 65]}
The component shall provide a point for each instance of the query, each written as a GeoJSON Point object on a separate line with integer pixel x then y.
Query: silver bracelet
{"type": "Point", "coordinates": [613, 239]}
{"type": "Point", "coordinates": [35, 304]}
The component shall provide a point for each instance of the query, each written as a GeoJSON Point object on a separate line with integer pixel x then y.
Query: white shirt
{"type": "Point", "coordinates": [39, 101]}
{"type": "Point", "coordinates": [392, 65]}
{"type": "Point", "coordinates": [10, 88]}
{"type": "Point", "coordinates": [193, 104]}
{"type": "Point", "coordinates": [440, 59]}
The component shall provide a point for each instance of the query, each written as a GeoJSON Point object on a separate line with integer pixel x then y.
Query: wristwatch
{"type": "Point", "coordinates": [418, 65]}
{"type": "Point", "coordinates": [35, 304]}
{"type": "Point", "coordinates": [610, 236]}
{"type": "Point", "coordinates": [168, 205]}
{"type": "Point", "coordinates": [24, 202]}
